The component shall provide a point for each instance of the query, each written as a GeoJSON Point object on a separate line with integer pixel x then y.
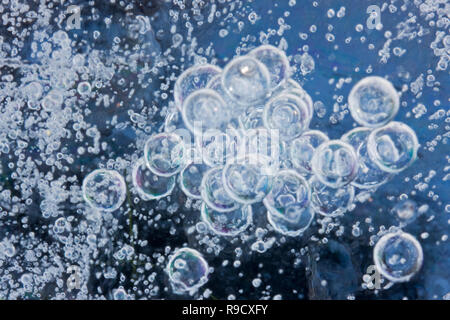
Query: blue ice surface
{"type": "Point", "coordinates": [344, 259]}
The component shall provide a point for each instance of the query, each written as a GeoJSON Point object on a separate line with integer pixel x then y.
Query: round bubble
{"type": "Point", "coordinates": [335, 163]}
{"type": "Point", "coordinates": [205, 110]}
{"type": "Point", "coordinates": [288, 202]}
{"type": "Point", "coordinates": [192, 79]}
{"type": "Point", "coordinates": [405, 211]}
{"type": "Point", "coordinates": [373, 102]}
{"type": "Point", "coordinates": [275, 61]}
{"type": "Point", "coordinates": [398, 256]}
{"type": "Point", "coordinates": [104, 189]}
{"type": "Point", "coordinates": [227, 223]}
{"type": "Point", "coordinates": [248, 179]}
{"type": "Point", "coordinates": [191, 178]}
{"type": "Point", "coordinates": [290, 194]}
{"type": "Point", "coordinates": [187, 270]}
{"type": "Point", "coordinates": [305, 97]}
{"type": "Point", "coordinates": [246, 80]}
{"type": "Point", "coordinates": [302, 150]}
{"type": "Point", "coordinates": [329, 201]}
{"type": "Point", "coordinates": [294, 88]}
{"type": "Point", "coordinates": [149, 185]}
{"type": "Point", "coordinates": [393, 147]}
{"type": "Point", "coordinates": [213, 192]}
{"type": "Point", "coordinates": [294, 225]}
{"type": "Point", "coordinates": [288, 114]}
{"type": "Point", "coordinates": [369, 176]}
{"type": "Point", "coordinates": [165, 154]}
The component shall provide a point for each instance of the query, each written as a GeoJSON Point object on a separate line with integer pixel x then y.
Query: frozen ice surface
{"type": "Point", "coordinates": [80, 95]}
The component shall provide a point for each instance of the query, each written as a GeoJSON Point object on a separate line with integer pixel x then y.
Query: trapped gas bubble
{"type": "Point", "coordinates": [393, 147]}
{"type": "Point", "coordinates": [369, 176]}
{"type": "Point", "coordinates": [398, 256]}
{"type": "Point", "coordinates": [149, 185]}
{"type": "Point", "coordinates": [373, 102]}
{"type": "Point", "coordinates": [248, 179]}
{"type": "Point", "coordinates": [104, 190]}
{"type": "Point", "coordinates": [276, 63]}
{"type": "Point", "coordinates": [187, 270]}
{"type": "Point", "coordinates": [200, 111]}
{"type": "Point", "coordinates": [302, 150]}
{"type": "Point", "coordinates": [335, 163]}
{"type": "Point", "coordinates": [246, 80]}
{"type": "Point", "coordinates": [192, 79]}
{"type": "Point", "coordinates": [288, 203]}
{"type": "Point", "coordinates": [329, 201]}
{"type": "Point", "coordinates": [165, 154]}
{"type": "Point", "coordinates": [213, 191]}
{"type": "Point", "coordinates": [288, 114]}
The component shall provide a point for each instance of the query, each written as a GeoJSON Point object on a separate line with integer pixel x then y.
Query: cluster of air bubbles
{"type": "Point", "coordinates": [239, 137]}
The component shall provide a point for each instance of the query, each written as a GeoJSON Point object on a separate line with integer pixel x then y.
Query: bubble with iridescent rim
{"type": "Point", "coordinates": [293, 226]}
{"type": "Point", "coordinates": [248, 179]}
{"type": "Point", "coordinates": [187, 270]}
{"type": "Point", "coordinates": [191, 178]}
{"type": "Point", "coordinates": [104, 189]}
{"type": "Point", "coordinates": [148, 185]}
{"type": "Point", "coordinates": [165, 154]}
{"type": "Point", "coordinates": [290, 194]}
{"type": "Point", "coordinates": [288, 203]}
{"type": "Point", "coordinates": [275, 61]}
{"type": "Point", "coordinates": [201, 109]}
{"type": "Point", "coordinates": [288, 114]}
{"type": "Point", "coordinates": [213, 192]}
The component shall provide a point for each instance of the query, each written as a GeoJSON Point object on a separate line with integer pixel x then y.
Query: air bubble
{"type": "Point", "coordinates": [192, 79]}
{"type": "Point", "coordinates": [246, 80]}
{"type": "Point", "coordinates": [288, 114]}
{"type": "Point", "coordinates": [335, 163]}
{"type": "Point", "coordinates": [165, 154]}
{"type": "Point", "coordinates": [149, 185]}
{"type": "Point", "coordinates": [104, 190]}
{"type": "Point", "coordinates": [393, 147]}
{"type": "Point", "coordinates": [303, 148]}
{"type": "Point", "coordinates": [398, 256]}
{"type": "Point", "coordinates": [213, 192]}
{"type": "Point", "coordinates": [373, 102]}
{"type": "Point", "coordinates": [287, 203]}
{"type": "Point", "coordinates": [276, 63]}
{"type": "Point", "coordinates": [187, 270]}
